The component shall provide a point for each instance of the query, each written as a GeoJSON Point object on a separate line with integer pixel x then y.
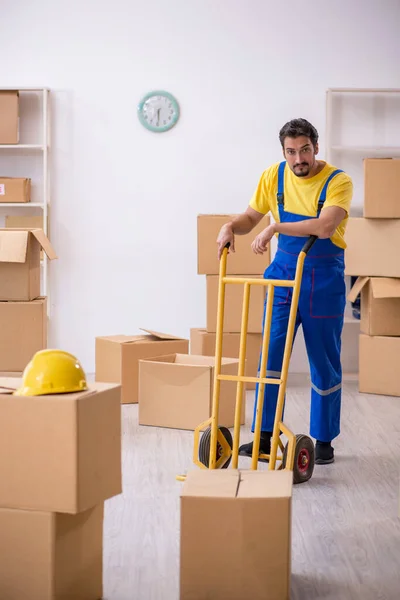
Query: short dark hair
{"type": "Point", "coordinates": [296, 128]}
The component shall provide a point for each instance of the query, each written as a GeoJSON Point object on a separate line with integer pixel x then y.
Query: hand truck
{"type": "Point", "coordinates": [216, 449]}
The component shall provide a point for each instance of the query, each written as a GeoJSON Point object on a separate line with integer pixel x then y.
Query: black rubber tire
{"type": "Point", "coordinates": [205, 443]}
{"type": "Point", "coordinates": [304, 446]}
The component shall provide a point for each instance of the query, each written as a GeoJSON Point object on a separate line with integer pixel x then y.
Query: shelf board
{"type": "Point", "coordinates": [21, 204]}
{"type": "Point", "coordinates": [388, 149]}
{"type": "Point", "coordinates": [24, 89]}
{"type": "Point", "coordinates": [22, 146]}
{"type": "Point", "coordinates": [366, 90]}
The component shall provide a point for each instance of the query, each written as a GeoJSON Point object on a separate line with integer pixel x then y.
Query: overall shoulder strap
{"type": "Point", "coordinates": [281, 174]}
{"type": "Point", "coordinates": [322, 197]}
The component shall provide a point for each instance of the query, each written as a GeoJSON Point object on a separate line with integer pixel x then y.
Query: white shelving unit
{"type": "Point", "coordinates": [355, 151]}
{"type": "Point", "coordinates": [35, 124]}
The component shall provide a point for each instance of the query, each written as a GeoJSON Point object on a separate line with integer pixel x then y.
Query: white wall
{"type": "Point", "coordinates": [125, 200]}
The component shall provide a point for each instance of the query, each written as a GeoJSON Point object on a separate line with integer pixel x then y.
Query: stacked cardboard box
{"type": "Point", "coordinates": [61, 461]}
{"type": "Point", "coordinates": [242, 263]}
{"type": "Point", "coordinates": [373, 255]}
{"type": "Point", "coordinates": [23, 312]}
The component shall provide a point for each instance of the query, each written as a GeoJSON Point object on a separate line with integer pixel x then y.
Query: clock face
{"type": "Point", "coordinates": [158, 111]}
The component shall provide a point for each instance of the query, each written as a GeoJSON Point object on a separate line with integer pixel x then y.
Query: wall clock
{"type": "Point", "coordinates": [158, 111]}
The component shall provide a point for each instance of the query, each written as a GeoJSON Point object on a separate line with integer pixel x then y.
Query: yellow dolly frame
{"type": "Point", "coordinates": [216, 448]}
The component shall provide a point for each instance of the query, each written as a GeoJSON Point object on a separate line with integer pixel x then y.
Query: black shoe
{"type": "Point", "coordinates": [324, 454]}
{"type": "Point", "coordinates": [265, 446]}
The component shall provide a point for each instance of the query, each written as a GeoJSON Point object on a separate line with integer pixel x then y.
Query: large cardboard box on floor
{"type": "Point", "coordinates": [9, 117]}
{"type": "Point", "coordinates": [379, 365]}
{"type": "Point", "coordinates": [60, 453]}
{"type": "Point", "coordinates": [117, 357]}
{"type": "Point", "coordinates": [234, 305]}
{"type": "Point", "coordinates": [241, 262]}
{"type": "Point", "coordinates": [20, 262]}
{"type": "Point", "coordinates": [382, 188]}
{"type": "Point", "coordinates": [15, 190]}
{"type": "Point", "coordinates": [177, 391]}
{"type": "Point", "coordinates": [380, 305]}
{"type": "Point", "coordinates": [202, 342]}
{"type": "Point", "coordinates": [244, 512]}
{"type": "Point", "coordinates": [23, 327]}
{"type": "Point", "coordinates": [373, 247]}
{"type": "Point", "coordinates": [51, 556]}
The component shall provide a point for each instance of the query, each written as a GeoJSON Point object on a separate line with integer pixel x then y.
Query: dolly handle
{"type": "Point", "coordinates": [309, 243]}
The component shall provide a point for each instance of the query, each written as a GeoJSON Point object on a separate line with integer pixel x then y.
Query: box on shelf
{"type": "Point", "coordinates": [9, 117]}
{"type": "Point", "coordinates": [373, 247]}
{"type": "Point", "coordinates": [242, 262]}
{"type": "Point", "coordinates": [177, 391]}
{"type": "Point", "coordinates": [380, 305]}
{"type": "Point", "coordinates": [50, 556]}
{"type": "Point", "coordinates": [23, 327]}
{"type": "Point", "coordinates": [117, 357]}
{"type": "Point", "coordinates": [203, 343]}
{"type": "Point", "coordinates": [382, 188]}
{"type": "Point", "coordinates": [61, 453]}
{"type": "Point", "coordinates": [25, 222]}
{"type": "Point", "coordinates": [234, 304]}
{"type": "Point", "coordinates": [379, 365]}
{"type": "Point", "coordinates": [15, 190]}
{"type": "Point", "coordinates": [245, 508]}
{"type": "Point", "coordinates": [20, 262]}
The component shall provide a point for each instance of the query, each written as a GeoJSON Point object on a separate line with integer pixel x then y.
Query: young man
{"type": "Point", "coordinates": [306, 197]}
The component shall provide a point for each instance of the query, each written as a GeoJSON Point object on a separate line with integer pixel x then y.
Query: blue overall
{"type": "Point", "coordinates": [320, 312]}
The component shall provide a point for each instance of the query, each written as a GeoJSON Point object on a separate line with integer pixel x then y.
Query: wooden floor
{"type": "Point", "coordinates": [346, 532]}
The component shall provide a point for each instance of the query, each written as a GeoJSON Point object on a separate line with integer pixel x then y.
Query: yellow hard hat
{"type": "Point", "coordinates": [52, 372]}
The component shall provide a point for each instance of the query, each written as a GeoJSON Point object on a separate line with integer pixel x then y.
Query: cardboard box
{"type": "Point", "coordinates": [380, 305]}
{"type": "Point", "coordinates": [379, 365]}
{"type": "Point", "coordinates": [61, 453]}
{"type": "Point", "coordinates": [23, 327]}
{"type": "Point", "coordinates": [177, 391]}
{"type": "Point", "coordinates": [233, 306]}
{"type": "Point", "coordinates": [382, 188]}
{"type": "Point", "coordinates": [117, 358]}
{"type": "Point", "coordinates": [20, 262]}
{"type": "Point", "coordinates": [15, 190]}
{"type": "Point", "coordinates": [9, 117]}
{"type": "Point", "coordinates": [373, 247]}
{"type": "Point", "coordinates": [51, 556]}
{"type": "Point", "coordinates": [246, 512]}
{"type": "Point", "coordinates": [203, 343]}
{"type": "Point", "coordinates": [25, 222]}
{"type": "Point", "coordinates": [242, 262]}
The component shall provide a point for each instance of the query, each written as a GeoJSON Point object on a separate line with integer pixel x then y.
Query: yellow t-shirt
{"type": "Point", "coordinates": [301, 195]}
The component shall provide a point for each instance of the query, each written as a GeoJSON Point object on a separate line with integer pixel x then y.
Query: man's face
{"type": "Point", "coordinates": [300, 155]}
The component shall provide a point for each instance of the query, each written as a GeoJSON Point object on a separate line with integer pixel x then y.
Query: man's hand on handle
{"type": "Point", "coordinates": [225, 235]}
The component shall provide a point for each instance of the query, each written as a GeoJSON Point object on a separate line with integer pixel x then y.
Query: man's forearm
{"type": "Point", "coordinates": [303, 228]}
{"type": "Point", "coordinates": [241, 224]}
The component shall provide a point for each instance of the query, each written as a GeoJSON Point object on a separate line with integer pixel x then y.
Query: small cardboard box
{"type": "Point", "coordinates": [15, 190]}
{"type": "Point", "coordinates": [382, 188]}
{"type": "Point", "coordinates": [177, 391]}
{"type": "Point", "coordinates": [117, 358]}
{"type": "Point", "coordinates": [242, 262]}
{"type": "Point", "coordinates": [233, 306]}
{"type": "Point", "coordinates": [51, 556]}
{"type": "Point", "coordinates": [243, 509]}
{"type": "Point", "coordinates": [20, 262]}
{"type": "Point", "coordinates": [9, 117]}
{"type": "Point", "coordinates": [25, 222]}
{"type": "Point", "coordinates": [379, 365]}
{"type": "Point", "coordinates": [203, 343]}
{"type": "Point", "coordinates": [23, 327]}
{"type": "Point", "coordinates": [61, 453]}
{"type": "Point", "coordinates": [380, 305]}
{"type": "Point", "coordinates": [373, 247]}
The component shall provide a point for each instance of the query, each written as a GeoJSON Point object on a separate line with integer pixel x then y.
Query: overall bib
{"type": "Point", "coordinates": [320, 312]}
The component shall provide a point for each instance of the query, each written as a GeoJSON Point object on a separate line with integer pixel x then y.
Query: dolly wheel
{"type": "Point", "coordinates": [304, 458]}
{"type": "Point", "coordinates": [205, 444]}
